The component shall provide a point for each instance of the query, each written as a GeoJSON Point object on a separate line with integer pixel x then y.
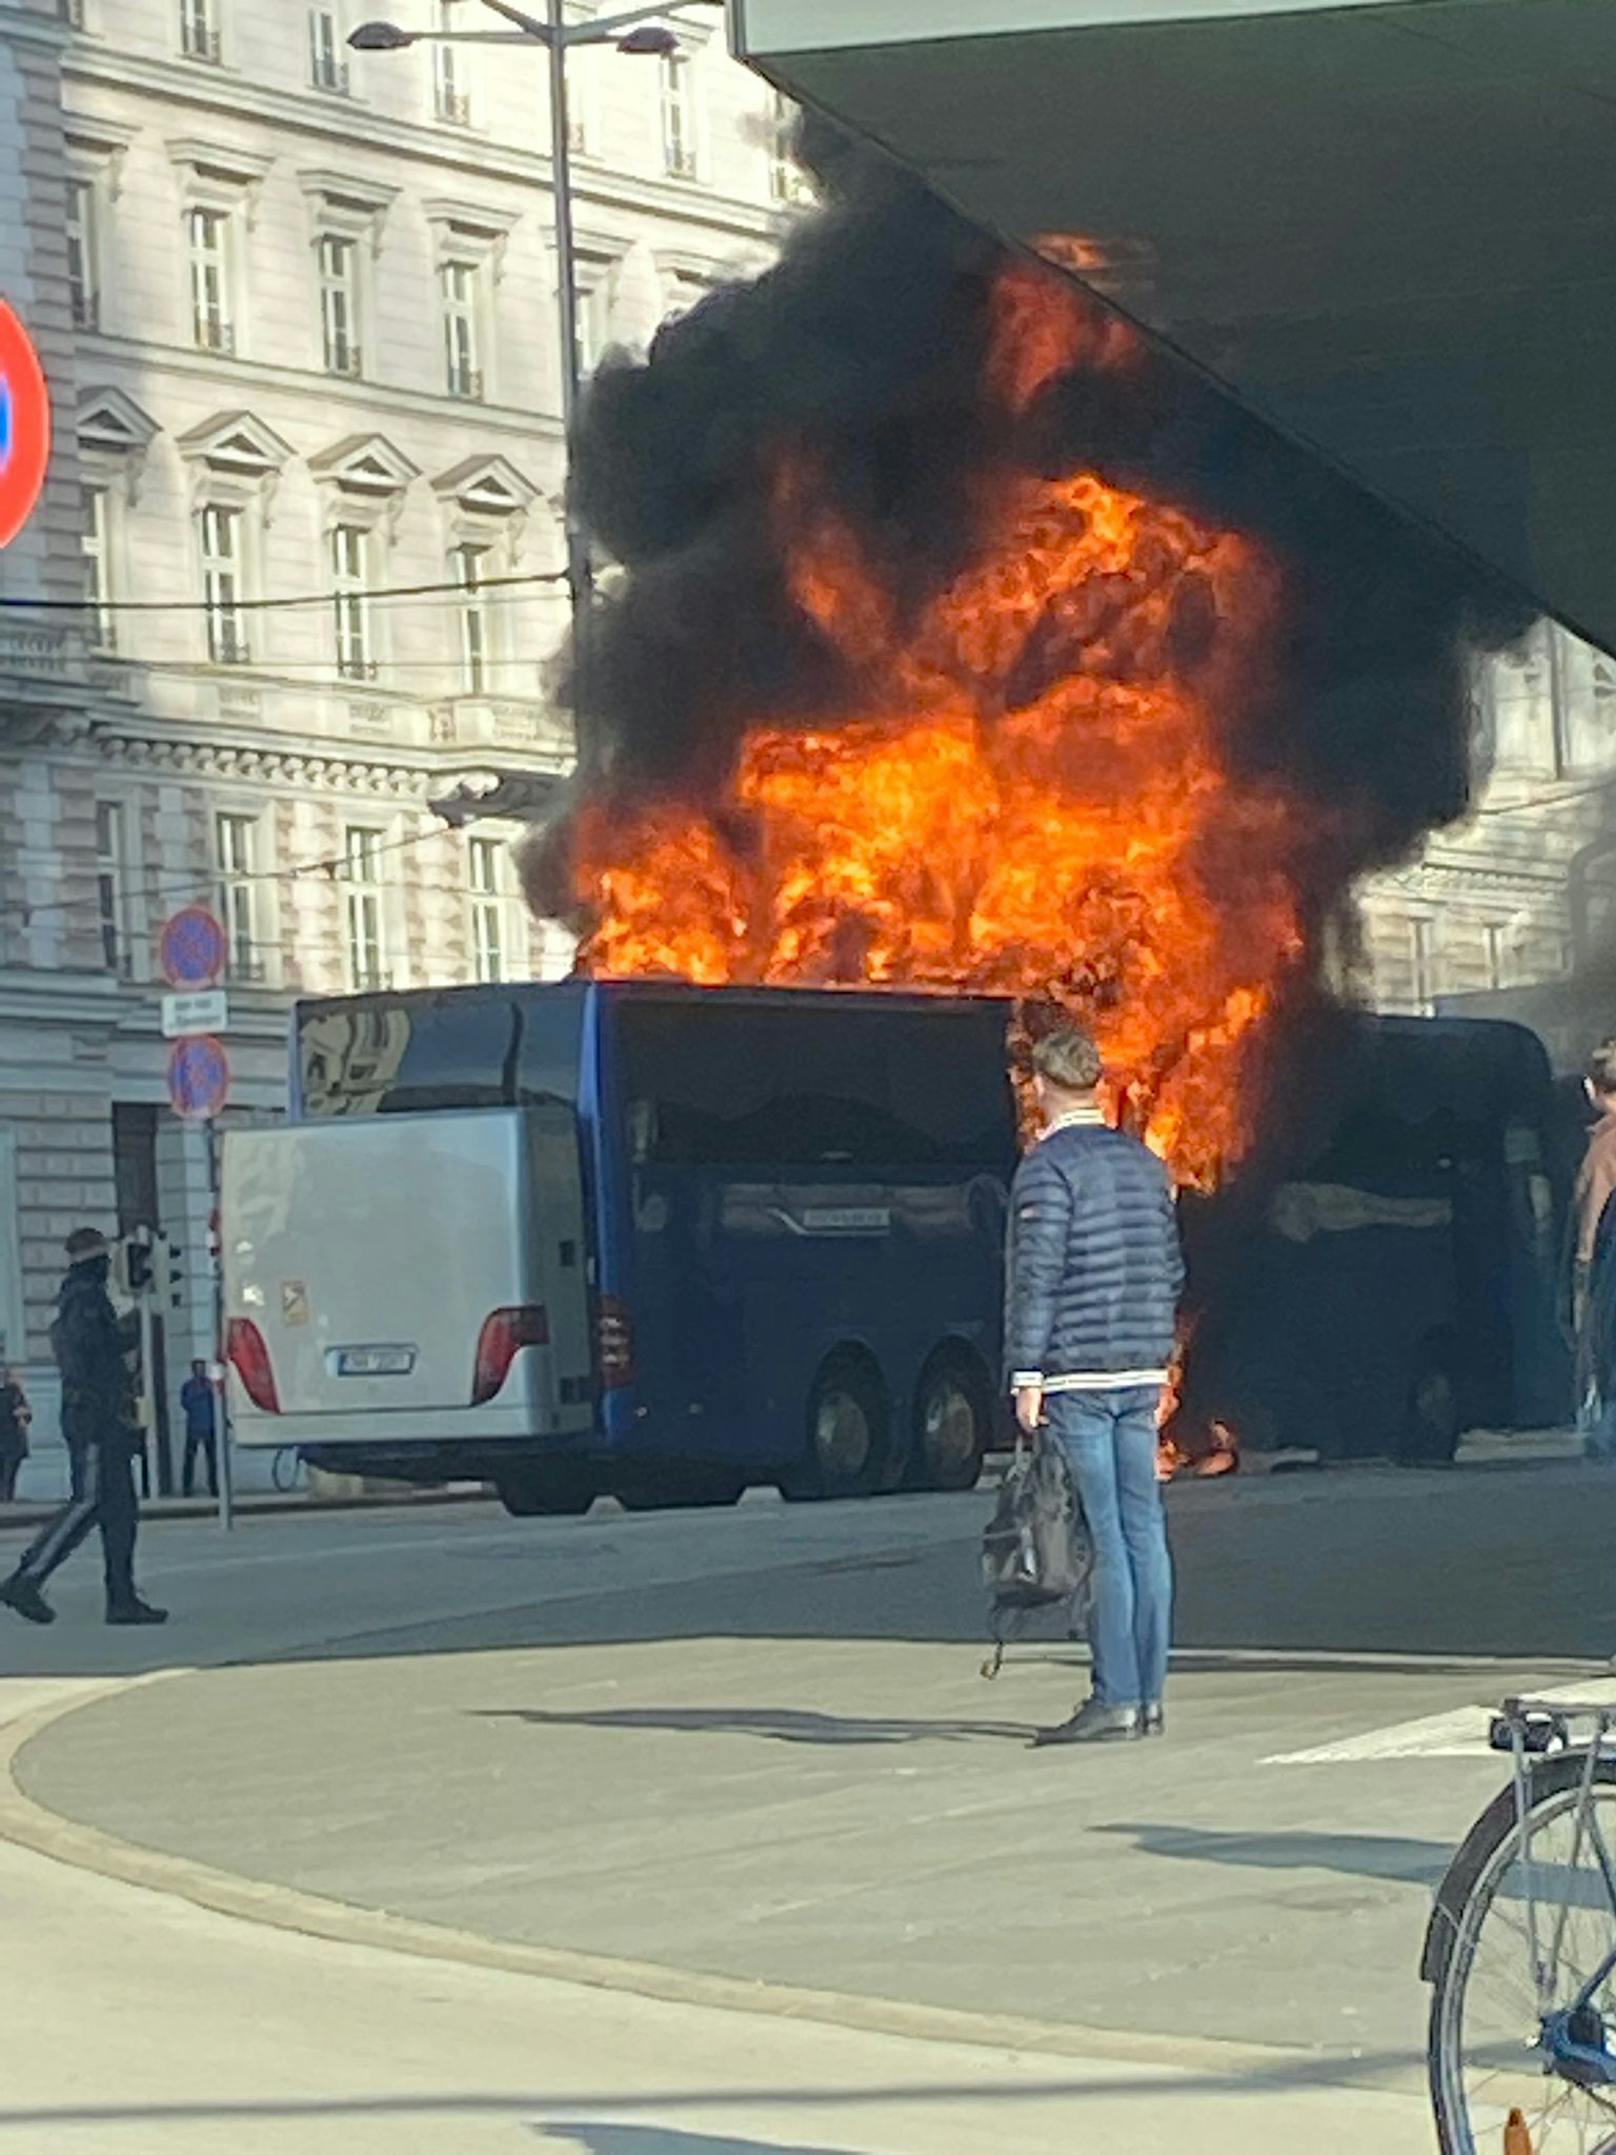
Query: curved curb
{"type": "Point", "coordinates": [47, 1833]}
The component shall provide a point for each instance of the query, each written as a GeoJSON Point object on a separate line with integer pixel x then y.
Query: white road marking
{"type": "Point", "coordinates": [1461, 1733]}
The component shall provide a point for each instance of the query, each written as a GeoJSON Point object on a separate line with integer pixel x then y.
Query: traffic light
{"type": "Point", "coordinates": [138, 1266]}
{"type": "Point", "coordinates": [176, 1275]}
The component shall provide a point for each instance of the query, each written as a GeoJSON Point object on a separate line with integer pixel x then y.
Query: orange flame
{"type": "Point", "coordinates": [1025, 793]}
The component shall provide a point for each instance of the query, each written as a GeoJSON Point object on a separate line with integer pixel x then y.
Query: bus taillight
{"type": "Point", "coordinates": [504, 1334]}
{"type": "Point", "coordinates": [614, 1343]}
{"type": "Point", "coordinates": [249, 1358]}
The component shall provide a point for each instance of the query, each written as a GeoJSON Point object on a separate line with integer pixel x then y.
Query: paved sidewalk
{"type": "Point", "coordinates": [793, 1774]}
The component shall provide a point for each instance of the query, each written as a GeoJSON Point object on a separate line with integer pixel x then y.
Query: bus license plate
{"type": "Point", "coordinates": [375, 1361]}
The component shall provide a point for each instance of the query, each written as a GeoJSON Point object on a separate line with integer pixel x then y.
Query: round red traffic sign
{"type": "Point", "coordinates": [198, 1077]}
{"type": "Point", "coordinates": [192, 949]}
{"type": "Point", "coordinates": [25, 425]}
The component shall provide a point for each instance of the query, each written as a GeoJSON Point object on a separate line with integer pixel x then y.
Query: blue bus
{"type": "Point", "coordinates": [792, 1212]}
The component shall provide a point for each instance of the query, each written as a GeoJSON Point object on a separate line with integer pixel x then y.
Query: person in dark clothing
{"type": "Point", "coordinates": [1094, 1276]}
{"type": "Point", "coordinates": [15, 1415]}
{"type": "Point", "coordinates": [89, 1344]}
{"type": "Point", "coordinates": [196, 1401]}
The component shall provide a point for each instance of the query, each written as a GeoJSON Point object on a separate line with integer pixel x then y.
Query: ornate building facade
{"type": "Point", "coordinates": [1512, 913]}
{"type": "Point", "coordinates": [297, 571]}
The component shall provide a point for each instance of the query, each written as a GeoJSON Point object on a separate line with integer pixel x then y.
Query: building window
{"type": "Point", "coordinates": [487, 922]}
{"type": "Point", "coordinates": [678, 118]}
{"type": "Point", "coordinates": [83, 285]}
{"type": "Point", "coordinates": [70, 13]}
{"type": "Point", "coordinates": [597, 295]}
{"type": "Point", "coordinates": [365, 904]}
{"type": "Point", "coordinates": [212, 314]}
{"type": "Point", "coordinates": [235, 840]}
{"type": "Point", "coordinates": [350, 584]}
{"type": "Point", "coordinates": [1422, 963]}
{"type": "Point", "coordinates": [787, 183]}
{"type": "Point", "coordinates": [491, 938]}
{"type": "Point", "coordinates": [95, 537]}
{"type": "Point", "coordinates": [462, 344]}
{"type": "Point", "coordinates": [451, 99]}
{"type": "Point", "coordinates": [220, 531]}
{"type": "Point", "coordinates": [339, 302]}
{"type": "Point", "coordinates": [328, 70]}
{"type": "Point", "coordinates": [111, 894]}
{"type": "Point", "coordinates": [469, 564]}
{"type": "Point", "coordinates": [199, 31]}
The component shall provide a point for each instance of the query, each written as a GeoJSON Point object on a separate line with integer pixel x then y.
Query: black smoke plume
{"type": "Point", "coordinates": [867, 340]}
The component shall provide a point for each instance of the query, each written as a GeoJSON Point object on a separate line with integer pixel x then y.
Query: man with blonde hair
{"type": "Point", "coordinates": [1094, 1276]}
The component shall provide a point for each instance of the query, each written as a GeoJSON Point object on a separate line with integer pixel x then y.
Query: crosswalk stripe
{"type": "Point", "coordinates": [1460, 1733]}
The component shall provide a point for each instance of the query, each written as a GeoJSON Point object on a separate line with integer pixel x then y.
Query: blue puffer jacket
{"type": "Point", "coordinates": [1094, 1268]}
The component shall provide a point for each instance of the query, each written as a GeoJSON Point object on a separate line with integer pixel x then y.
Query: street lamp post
{"type": "Point", "coordinates": [636, 30]}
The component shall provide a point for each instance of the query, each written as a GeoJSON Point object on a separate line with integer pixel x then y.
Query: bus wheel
{"type": "Point", "coordinates": [1432, 1420]}
{"type": "Point", "coordinates": [559, 1490]}
{"type": "Point", "coordinates": [953, 1418]}
{"type": "Point", "coordinates": [849, 1432]}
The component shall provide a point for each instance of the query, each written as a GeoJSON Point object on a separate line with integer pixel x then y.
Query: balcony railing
{"type": "Point", "coordinates": [86, 308]}
{"type": "Point", "coordinates": [353, 668]}
{"type": "Point", "coordinates": [215, 336]}
{"type": "Point", "coordinates": [329, 74]}
{"type": "Point", "coordinates": [346, 360]}
{"type": "Point", "coordinates": [71, 13]}
{"type": "Point", "coordinates": [466, 382]}
{"type": "Point", "coordinates": [227, 643]}
{"type": "Point", "coordinates": [453, 106]}
{"type": "Point", "coordinates": [248, 968]}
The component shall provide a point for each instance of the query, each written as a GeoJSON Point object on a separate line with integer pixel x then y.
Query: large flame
{"type": "Point", "coordinates": [1026, 791]}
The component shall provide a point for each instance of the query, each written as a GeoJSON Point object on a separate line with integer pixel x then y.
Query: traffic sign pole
{"type": "Point", "coordinates": [193, 951]}
{"type": "Point", "coordinates": [216, 1370]}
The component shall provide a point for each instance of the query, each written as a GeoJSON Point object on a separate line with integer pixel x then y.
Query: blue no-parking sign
{"type": "Point", "coordinates": [192, 949]}
{"type": "Point", "coordinates": [198, 1077]}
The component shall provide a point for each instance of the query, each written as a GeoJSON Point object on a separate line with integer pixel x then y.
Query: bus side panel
{"type": "Point", "coordinates": [741, 1287]}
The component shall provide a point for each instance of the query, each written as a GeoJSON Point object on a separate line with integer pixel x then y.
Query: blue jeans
{"type": "Point", "coordinates": [1108, 1440]}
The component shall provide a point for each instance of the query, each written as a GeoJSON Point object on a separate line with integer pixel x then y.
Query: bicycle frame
{"type": "Point", "coordinates": [1534, 1727]}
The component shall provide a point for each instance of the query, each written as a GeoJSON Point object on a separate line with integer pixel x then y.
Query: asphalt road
{"type": "Point", "coordinates": [749, 1753]}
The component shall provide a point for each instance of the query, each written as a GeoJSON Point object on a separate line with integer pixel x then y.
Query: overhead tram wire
{"type": "Point", "coordinates": [309, 598]}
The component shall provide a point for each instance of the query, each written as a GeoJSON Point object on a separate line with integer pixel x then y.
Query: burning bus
{"type": "Point", "coordinates": [663, 1242]}
{"type": "Point", "coordinates": [965, 659]}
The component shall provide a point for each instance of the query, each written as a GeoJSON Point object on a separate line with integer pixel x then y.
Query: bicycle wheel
{"type": "Point", "coordinates": [1492, 1994]}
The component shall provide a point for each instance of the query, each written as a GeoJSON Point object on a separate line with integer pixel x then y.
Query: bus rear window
{"type": "Point", "coordinates": [765, 1084]}
{"type": "Point", "coordinates": [392, 1055]}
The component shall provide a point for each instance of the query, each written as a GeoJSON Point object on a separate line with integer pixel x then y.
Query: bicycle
{"type": "Point", "coordinates": [1521, 1948]}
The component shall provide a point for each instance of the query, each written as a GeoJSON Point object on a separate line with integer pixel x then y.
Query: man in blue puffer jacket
{"type": "Point", "coordinates": [1094, 1276]}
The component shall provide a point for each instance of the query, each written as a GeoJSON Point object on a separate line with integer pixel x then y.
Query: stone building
{"type": "Point", "coordinates": [296, 572]}
{"type": "Point", "coordinates": [1512, 912]}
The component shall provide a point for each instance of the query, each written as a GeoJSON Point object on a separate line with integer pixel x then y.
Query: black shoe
{"type": "Point", "coordinates": [1093, 1723]}
{"type": "Point", "coordinates": [1152, 1718]}
{"type": "Point", "coordinates": [23, 1596]}
{"type": "Point", "coordinates": [135, 1611]}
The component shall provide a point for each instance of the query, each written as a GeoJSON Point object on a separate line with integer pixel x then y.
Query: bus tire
{"type": "Point", "coordinates": [849, 1432]}
{"type": "Point", "coordinates": [1433, 1419]}
{"type": "Point", "coordinates": [953, 1422]}
{"type": "Point", "coordinates": [561, 1489]}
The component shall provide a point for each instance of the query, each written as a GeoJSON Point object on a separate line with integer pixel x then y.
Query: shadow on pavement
{"type": "Point", "coordinates": [1360, 1855]}
{"type": "Point", "coordinates": [782, 1724]}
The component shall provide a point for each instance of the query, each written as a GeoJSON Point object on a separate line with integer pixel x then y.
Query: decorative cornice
{"type": "Point", "coordinates": [326, 770]}
{"type": "Point", "coordinates": [229, 97]}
